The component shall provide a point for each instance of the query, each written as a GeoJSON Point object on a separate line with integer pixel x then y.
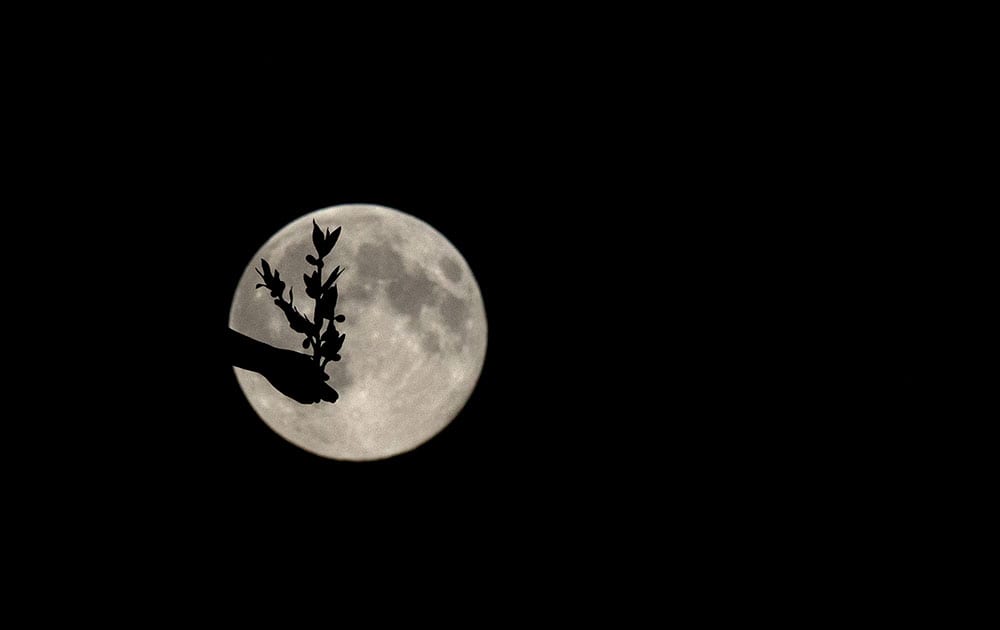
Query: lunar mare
{"type": "Point", "coordinates": [416, 333]}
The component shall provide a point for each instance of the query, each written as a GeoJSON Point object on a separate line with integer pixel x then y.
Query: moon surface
{"type": "Point", "coordinates": [416, 333]}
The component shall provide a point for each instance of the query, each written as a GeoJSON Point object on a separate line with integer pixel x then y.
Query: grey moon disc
{"type": "Point", "coordinates": [416, 333]}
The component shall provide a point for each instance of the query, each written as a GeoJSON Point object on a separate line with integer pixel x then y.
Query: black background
{"type": "Point", "coordinates": [544, 421]}
{"type": "Point", "coordinates": [650, 284]}
{"type": "Point", "coordinates": [687, 294]}
{"type": "Point", "coordinates": [705, 248]}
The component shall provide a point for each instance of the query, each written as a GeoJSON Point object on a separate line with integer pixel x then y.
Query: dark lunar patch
{"type": "Point", "coordinates": [451, 269]}
{"type": "Point", "coordinates": [411, 293]}
{"type": "Point", "coordinates": [454, 312]}
{"type": "Point", "coordinates": [358, 292]}
{"type": "Point", "coordinates": [432, 342]}
{"type": "Point", "coordinates": [380, 262]}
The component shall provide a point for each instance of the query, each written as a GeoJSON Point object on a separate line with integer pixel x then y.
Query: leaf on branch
{"type": "Point", "coordinates": [330, 241]}
{"type": "Point", "coordinates": [330, 333]}
{"type": "Point", "coordinates": [299, 322]}
{"type": "Point", "coordinates": [333, 278]}
{"type": "Point", "coordinates": [312, 284]}
{"type": "Point", "coordinates": [328, 304]}
{"type": "Point", "coordinates": [311, 260]}
{"type": "Point", "coordinates": [318, 240]}
{"type": "Point", "coordinates": [272, 282]}
{"type": "Point", "coordinates": [331, 348]}
{"type": "Point", "coordinates": [277, 286]}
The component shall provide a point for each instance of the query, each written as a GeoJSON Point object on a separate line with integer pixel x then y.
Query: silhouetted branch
{"type": "Point", "coordinates": [325, 345]}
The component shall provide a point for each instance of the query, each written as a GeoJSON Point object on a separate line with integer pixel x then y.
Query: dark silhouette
{"type": "Point", "coordinates": [299, 376]}
{"type": "Point", "coordinates": [294, 374]}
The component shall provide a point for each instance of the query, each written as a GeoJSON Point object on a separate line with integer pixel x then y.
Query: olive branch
{"type": "Point", "coordinates": [326, 345]}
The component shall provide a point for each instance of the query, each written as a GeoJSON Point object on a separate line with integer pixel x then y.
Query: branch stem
{"type": "Point", "coordinates": [317, 320]}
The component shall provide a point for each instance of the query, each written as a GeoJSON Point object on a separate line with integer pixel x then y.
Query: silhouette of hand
{"type": "Point", "coordinates": [297, 376]}
{"type": "Point", "coordinates": [293, 374]}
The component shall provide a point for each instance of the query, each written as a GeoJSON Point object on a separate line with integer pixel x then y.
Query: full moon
{"type": "Point", "coordinates": [415, 333]}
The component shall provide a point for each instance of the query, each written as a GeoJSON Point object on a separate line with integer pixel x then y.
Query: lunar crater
{"type": "Point", "coordinates": [451, 269]}
{"type": "Point", "coordinates": [454, 312]}
{"type": "Point", "coordinates": [380, 262]}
